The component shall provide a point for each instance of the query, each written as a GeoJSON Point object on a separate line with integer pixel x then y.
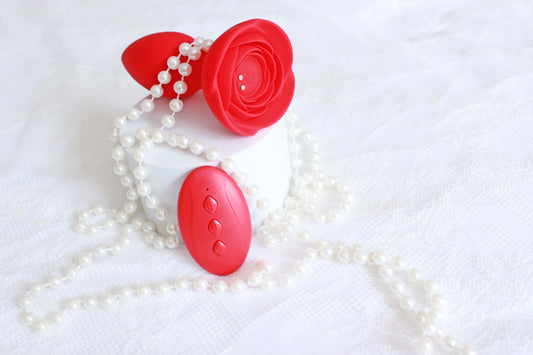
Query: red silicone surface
{"type": "Point", "coordinates": [214, 220]}
{"type": "Point", "coordinates": [147, 56]}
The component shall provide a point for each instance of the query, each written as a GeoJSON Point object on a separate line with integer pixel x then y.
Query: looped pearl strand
{"type": "Point", "coordinates": [278, 228]}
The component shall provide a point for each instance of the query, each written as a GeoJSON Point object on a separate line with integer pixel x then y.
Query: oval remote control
{"type": "Point", "coordinates": [214, 220]}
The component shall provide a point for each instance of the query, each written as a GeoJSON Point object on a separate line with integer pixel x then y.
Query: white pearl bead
{"type": "Point", "coordinates": [125, 292]}
{"type": "Point", "coordinates": [467, 350]}
{"type": "Point", "coordinates": [137, 223]}
{"type": "Point", "coordinates": [161, 214]}
{"type": "Point", "coordinates": [240, 178]}
{"type": "Point", "coordinates": [430, 286]}
{"type": "Point", "coordinates": [130, 207]}
{"type": "Point", "coordinates": [175, 105]}
{"type": "Point", "coordinates": [122, 217]}
{"type": "Point", "coordinates": [73, 304]}
{"type": "Point", "coordinates": [185, 69]}
{"type": "Point", "coordinates": [267, 283]}
{"type": "Point", "coordinates": [310, 253]}
{"type": "Point", "coordinates": [171, 243]}
{"type": "Point", "coordinates": [435, 314]}
{"type": "Point", "coordinates": [198, 41]}
{"type": "Point", "coordinates": [385, 271]}
{"type": "Point", "coordinates": [162, 288]}
{"type": "Point", "coordinates": [181, 284]}
{"type": "Point", "coordinates": [262, 204]}
{"type": "Point", "coordinates": [407, 303]}
{"type": "Point", "coordinates": [115, 249]}
{"type": "Point", "coordinates": [252, 190]}
{"type": "Point", "coordinates": [378, 258]}
{"type": "Point", "coordinates": [237, 285]}
{"type": "Point", "coordinates": [228, 165]}
{"type": "Point", "coordinates": [168, 121]}
{"type": "Point", "coordinates": [254, 278]}
{"type": "Point", "coordinates": [138, 155]}
{"type": "Point", "coordinates": [152, 202]}
{"type": "Point", "coordinates": [196, 147]}
{"type": "Point", "coordinates": [107, 300]}
{"type": "Point", "coordinates": [450, 342]}
{"type": "Point", "coordinates": [126, 180]}
{"type": "Point", "coordinates": [397, 287]}
{"type": "Point", "coordinates": [91, 230]}
{"type": "Point", "coordinates": [144, 189]}
{"type": "Point", "coordinates": [146, 144]}
{"type": "Point", "coordinates": [304, 237]}
{"type": "Point", "coordinates": [292, 117]}
{"type": "Point", "coordinates": [212, 154]}
{"type": "Point", "coordinates": [149, 237]}
{"type": "Point", "coordinates": [144, 290]}
{"type": "Point", "coordinates": [134, 113]}
{"type": "Point", "coordinates": [421, 317]}
{"type": "Point", "coordinates": [172, 139]}
{"type": "Point", "coordinates": [120, 169]}
{"type": "Point", "coordinates": [163, 77]}
{"type": "Point", "coordinates": [156, 91]}
{"type": "Point", "coordinates": [207, 44]}
{"type": "Point", "coordinates": [300, 268]}
{"type": "Point", "coordinates": [425, 344]}
{"type": "Point", "coordinates": [194, 53]}
{"type": "Point", "coordinates": [140, 173]}
{"type": "Point", "coordinates": [90, 301]}
{"type": "Point", "coordinates": [148, 227]}
{"type": "Point", "coordinates": [398, 263]}
{"type": "Point", "coordinates": [180, 87]}
{"type": "Point", "coordinates": [39, 325]}
{"type": "Point", "coordinates": [99, 251]}
{"type": "Point", "coordinates": [157, 135]}
{"type": "Point", "coordinates": [437, 300]}
{"type": "Point", "coordinates": [118, 153]}
{"type": "Point", "coordinates": [200, 284]}
{"type": "Point", "coordinates": [361, 257]}
{"type": "Point", "coordinates": [113, 136]}
{"type": "Point", "coordinates": [84, 259]}
{"type": "Point", "coordinates": [414, 275]}
{"type": "Point", "coordinates": [159, 243]}
{"type": "Point", "coordinates": [124, 240]}
{"type": "Point", "coordinates": [184, 48]}
{"type": "Point", "coordinates": [142, 133]}
{"type": "Point", "coordinates": [36, 288]}
{"type": "Point", "coordinates": [147, 105]}
{"type": "Point", "coordinates": [27, 319]}
{"type": "Point", "coordinates": [120, 121]}
{"type": "Point", "coordinates": [132, 195]}
{"type": "Point", "coordinates": [263, 266]}
{"type": "Point", "coordinates": [326, 252]}
{"type": "Point", "coordinates": [219, 286]}
{"type": "Point", "coordinates": [182, 141]}
{"type": "Point", "coordinates": [173, 62]}
{"type": "Point", "coordinates": [171, 228]}
{"type": "Point", "coordinates": [24, 301]}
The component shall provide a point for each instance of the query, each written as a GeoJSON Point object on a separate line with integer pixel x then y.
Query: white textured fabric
{"type": "Point", "coordinates": [423, 107]}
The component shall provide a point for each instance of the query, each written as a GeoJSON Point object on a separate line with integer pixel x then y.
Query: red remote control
{"type": "Point", "coordinates": [214, 220]}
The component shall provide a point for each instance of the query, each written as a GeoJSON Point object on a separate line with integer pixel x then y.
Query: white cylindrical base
{"type": "Point", "coordinates": [263, 158]}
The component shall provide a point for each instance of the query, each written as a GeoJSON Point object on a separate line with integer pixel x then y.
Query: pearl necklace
{"type": "Point", "coordinates": [278, 228]}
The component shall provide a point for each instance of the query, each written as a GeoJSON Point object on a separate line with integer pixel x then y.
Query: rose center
{"type": "Point", "coordinates": [249, 75]}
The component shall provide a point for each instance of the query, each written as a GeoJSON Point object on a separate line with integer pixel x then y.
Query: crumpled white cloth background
{"type": "Point", "coordinates": [424, 108]}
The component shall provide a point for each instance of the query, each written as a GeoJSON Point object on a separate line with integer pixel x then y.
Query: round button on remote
{"type": "Point", "coordinates": [210, 204]}
{"type": "Point", "coordinates": [219, 248]}
{"type": "Point", "coordinates": [215, 226]}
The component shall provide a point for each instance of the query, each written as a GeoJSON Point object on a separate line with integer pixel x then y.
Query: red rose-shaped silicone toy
{"type": "Point", "coordinates": [247, 76]}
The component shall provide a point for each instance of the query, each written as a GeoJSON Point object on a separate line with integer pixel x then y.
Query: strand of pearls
{"type": "Point", "coordinates": [278, 228]}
